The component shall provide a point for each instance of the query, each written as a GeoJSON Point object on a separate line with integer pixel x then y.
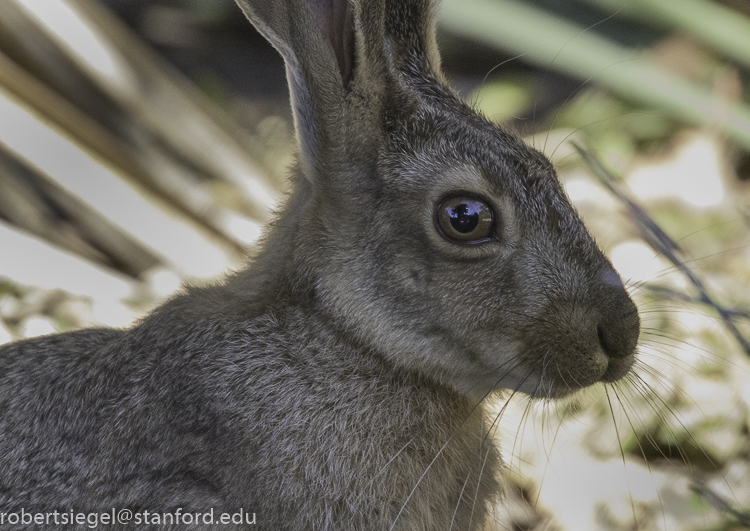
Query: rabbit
{"type": "Point", "coordinates": [426, 261]}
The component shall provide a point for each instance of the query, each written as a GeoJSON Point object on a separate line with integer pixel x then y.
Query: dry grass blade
{"type": "Point", "coordinates": [720, 504]}
{"type": "Point", "coordinates": [675, 295]}
{"type": "Point", "coordinates": [174, 109]}
{"type": "Point", "coordinates": [36, 203]}
{"type": "Point", "coordinates": [136, 116]}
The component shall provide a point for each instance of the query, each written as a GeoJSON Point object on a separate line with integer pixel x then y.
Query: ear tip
{"type": "Point", "coordinates": [270, 17]}
{"type": "Point", "coordinates": [411, 25]}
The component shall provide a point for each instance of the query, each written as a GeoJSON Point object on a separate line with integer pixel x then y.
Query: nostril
{"type": "Point", "coordinates": [617, 324]}
{"type": "Point", "coordinates": [602, 341]}
{"type": "Point", "coordinates": [618, 339]}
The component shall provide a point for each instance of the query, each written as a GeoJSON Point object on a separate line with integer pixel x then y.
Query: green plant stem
{"type": "Point", "coordinates": [721, 28]}
{"type": "Point", "coordinates": [556, 44]}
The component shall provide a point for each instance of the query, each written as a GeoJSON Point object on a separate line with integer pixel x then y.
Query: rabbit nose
{"type": "Point", "coordinates": [618, 325]}
{"type": "Point", "coordinates": [611, 278]}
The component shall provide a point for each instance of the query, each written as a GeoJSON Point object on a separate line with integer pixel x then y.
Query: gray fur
{"type": "Point", "coordinates": [338, 382]}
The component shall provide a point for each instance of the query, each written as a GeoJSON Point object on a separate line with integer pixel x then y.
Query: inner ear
{"type": "Point", "coordinates": [336, 19]}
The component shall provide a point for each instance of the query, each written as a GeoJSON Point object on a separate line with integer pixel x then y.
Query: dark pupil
{"type": "Point", "coordinates": [463, 220]}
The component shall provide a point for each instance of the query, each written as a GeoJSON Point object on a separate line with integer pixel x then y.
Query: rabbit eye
{"type": "Point", "coordinates": [465, 219]}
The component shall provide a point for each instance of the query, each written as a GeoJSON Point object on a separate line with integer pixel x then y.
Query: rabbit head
{"type": "Point", "coordinates": [426, 233]}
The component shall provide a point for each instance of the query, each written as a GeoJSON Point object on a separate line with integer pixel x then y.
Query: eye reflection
{"type": "Point", "coordinates": [465, 219]}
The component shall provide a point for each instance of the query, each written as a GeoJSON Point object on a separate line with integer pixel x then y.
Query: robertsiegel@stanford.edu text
{"type": "Point", "coordinates": [96, 519]}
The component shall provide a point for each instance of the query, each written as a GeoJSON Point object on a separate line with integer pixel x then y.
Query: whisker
{"type": "Point", "coordinates": [622, 453]}
{"type": "Point", "coordinates": [643, 453]}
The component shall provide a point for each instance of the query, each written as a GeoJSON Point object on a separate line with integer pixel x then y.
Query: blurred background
{"type": "Point", "coordinates": [145, 143]}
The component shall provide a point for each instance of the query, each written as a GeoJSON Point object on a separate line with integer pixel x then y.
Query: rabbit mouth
{"type": "Point", "coordinates": [570, 380]}
{"type": "Point", "coordinates": [558, 376]}
{"type": "Point", "coordinates": [617, 369]}
{"type": "Point", "coordinates": [576, 343]}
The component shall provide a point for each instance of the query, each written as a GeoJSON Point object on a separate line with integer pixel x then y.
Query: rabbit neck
{"type": "Point", "coordinates": [367, 434]}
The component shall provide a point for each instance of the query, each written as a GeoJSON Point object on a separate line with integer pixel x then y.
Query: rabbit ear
{"type": "Point", "coordinates": [334, 47]}
{"type": "Point", "coordinates": [317, 40]}
{"type": "Point", "coordinates": [410, 32]}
